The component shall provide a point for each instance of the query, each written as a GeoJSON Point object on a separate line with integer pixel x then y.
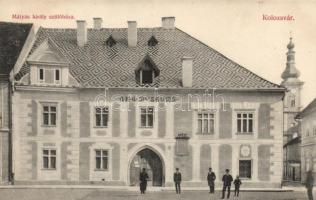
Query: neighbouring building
{"type": "Point", "coordinates": [307, 119]}
{"type": "Point", "coordinates": [292, 106]}
{"type": "Point", "coordinates": [13, 36]}
{"type": "Point", "coordinates": [95, 105]}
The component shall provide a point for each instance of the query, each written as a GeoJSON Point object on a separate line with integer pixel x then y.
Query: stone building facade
{"type": "Point", "coordinates": [292, 106]}
{"type": "Point", "coordinates": [308, 147]}
{"type": "Point", "coordinates": [13, 37]}
{"type": "Point", "coordinates": [94, 106]}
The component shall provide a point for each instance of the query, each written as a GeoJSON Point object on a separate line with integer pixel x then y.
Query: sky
{"type": "Point", "coordinates": [234, 28]}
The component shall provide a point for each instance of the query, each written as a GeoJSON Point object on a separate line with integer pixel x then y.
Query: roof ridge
{"type": "Point", "coordinates": [244, 68]}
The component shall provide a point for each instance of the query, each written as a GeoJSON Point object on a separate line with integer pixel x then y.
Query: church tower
{"type": "Point", "coordinates": [292, 99]}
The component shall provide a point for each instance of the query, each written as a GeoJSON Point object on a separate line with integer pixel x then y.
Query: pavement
{"type": "Point", "coordinates": [15, 193]}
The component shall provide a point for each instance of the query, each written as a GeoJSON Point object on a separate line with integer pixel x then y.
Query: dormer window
{"type": "Point", "coordinates": [49, 75]}
{"type": "Point", "coordinates": [146, 72]}
{"type": "Point", "coordinates": [110, 41]}
{"type": "Point", "coordinates": [152, 41]}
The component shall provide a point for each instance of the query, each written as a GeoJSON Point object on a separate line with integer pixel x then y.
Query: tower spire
{"type": "Point", "coordinates": [290, 71]}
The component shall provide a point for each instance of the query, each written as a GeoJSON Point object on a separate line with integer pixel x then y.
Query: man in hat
{"type": "Point", "coordinates": [143, 177]}
{"type": "Point", "coordinates": [210, 180]}
{"type": "Point", "coordinates": [177, 180]}
{"type": "Point", "coordinates": [227, 181]}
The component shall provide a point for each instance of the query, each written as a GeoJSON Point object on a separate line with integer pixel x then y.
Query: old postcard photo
{"type": "Point", "coordinates": [157, 99]}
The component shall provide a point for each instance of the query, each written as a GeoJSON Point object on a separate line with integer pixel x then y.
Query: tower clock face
{"type": "Point", "coordinates": [293, 91]}
{"type": "Point", "coordinates": [245, 151]}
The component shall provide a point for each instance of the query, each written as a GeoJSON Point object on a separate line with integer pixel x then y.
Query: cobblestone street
{"type": "Point", "coordinates": [98, 194]}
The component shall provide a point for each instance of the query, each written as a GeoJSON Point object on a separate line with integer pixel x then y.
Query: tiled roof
{"type": "Point", "coordinates": [99, 65]}
{"type": "Point", "coordinates": [311, 107]}
{"type": "Point", "coordinates": [12, 38]}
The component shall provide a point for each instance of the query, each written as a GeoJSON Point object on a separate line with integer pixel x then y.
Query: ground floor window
{"type": "Point", "coordinates": [49, 158]}
{"type": "Point", "coordinates": [245, 168]}
{"type": "Point", "coordinates": [101, 159]}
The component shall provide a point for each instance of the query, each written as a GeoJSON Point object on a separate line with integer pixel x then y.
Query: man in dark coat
{"type": "Point", "coordinates": [143, 177]}
{"type": "Point", "coordinates": [210, 180]}
{"type": "Point", "coordinates": [177, 180]}
{"type": "Point", "coordinates": [227, 181]}
{"type": "Point", "coordinates": [309, 183]}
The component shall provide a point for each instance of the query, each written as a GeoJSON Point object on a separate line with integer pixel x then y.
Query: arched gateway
{"type": "Point", "coordinates": [149, 159]}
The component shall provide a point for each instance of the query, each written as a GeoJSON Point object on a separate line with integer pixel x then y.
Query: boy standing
{"type": "Point", "coordinates": [237, 183]}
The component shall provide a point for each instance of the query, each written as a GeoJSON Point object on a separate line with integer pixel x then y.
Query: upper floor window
{"type": "Point", "coordinates": [101, 159]}
{"type": "Point", "coordinates": [146, 72]}
{"type": "Point", "coordinates": [49, 76]}
{"type": "Point", "coordinates": [49, 115]}
{"type": "Point", "coordinates": [147, 117]}
{"type": "Point", "coordinates": [57, 75]}
{"type": "Point", "coordinates": [206, 123]}
{"type": "Point", "coordinates": [307, 132]}
{"type": "Point", "coordinates": [244, 123]}
{"type": "Point", "coordinates": [101, 116]}
{"type": "Point", "coordinates": [49, 158]}
{"type": "Point", "coordinates": [293, 103]}
{"type": "Point", "coordinates": [41, 75]}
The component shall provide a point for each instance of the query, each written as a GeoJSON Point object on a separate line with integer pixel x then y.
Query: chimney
{"type": "Point", "coordinates": [81, 33]}
{"type": "Point", "coordinates": [132, 33]}
{"type": "Point", "coordinates": [168, 22]}
{"type": "Point", "coordinates": [97, 23]}
{"type": "Point", "coordinates": [187, 71]}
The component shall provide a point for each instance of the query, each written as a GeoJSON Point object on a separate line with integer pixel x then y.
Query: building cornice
{"type": "Point", "coordinates": [45, 89]}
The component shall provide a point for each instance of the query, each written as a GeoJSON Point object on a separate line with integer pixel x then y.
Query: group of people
{"type": "Point", "coordinates": [227, 180]}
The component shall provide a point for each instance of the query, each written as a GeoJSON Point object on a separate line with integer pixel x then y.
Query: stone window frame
{"type": "Point", "coordinates": [245, 106]}
{"type": "Point", "coordinates": [49, 104]}
{"type": "Point", "coordinates": [242, 119]}
{"type": "Point", "coordinates": [139, 129]}
{"type": "Point", "coordinates": [251, 168]}
{"type": "Point", "coordinates": [203, 112]}
{"type": "Point", "coordinates": [48, 174]}
{"type": "Point", "coordinates": [101, 159]}
{"type": "Point", "coordinates": [107, 112]}
{"type": "Point", "coordinates": [147, 114]}
{"type": "Point", "coordinates": [49, 156]}
{"type": "Point", "coordinates": [97, 174]}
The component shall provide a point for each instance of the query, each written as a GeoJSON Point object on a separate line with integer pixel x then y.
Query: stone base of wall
{"type": "Point", "coordinates": [218, 185]}
{"type": "Point", "coordinates": [90, 183]}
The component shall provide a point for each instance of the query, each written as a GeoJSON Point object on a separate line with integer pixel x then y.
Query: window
{"type": "Point", "coordinates": [146, 72]}
{"type": "Point", "coordinates": [101, 116]}
{"type": "Point", "coordinates": [49, 115]}
{"type": "Point", "coordinates": [146, 77]}
{"type": "Point", "coordinates": [41, 74]}
{"type": "Point", "coordinates": [245, 168]}
{"type": "Point", "coordinates": [206, 123]}
{"type": "Point", "coordinates": [292, 102]}
{"type": "Point", "coordinates": [307, 132]}
{"type": "Point", "coordinates": [146, 117]}
{"type": "Point", "coordinates": [244, 123]}
{"type": "Point", "coordinates": [314, 131]}
{"type": "Point", "coordinates": [101, 159]}
{"type": "Point", "coordinates": [49, 159]}
{"type": "Point", "coordinates": [57, 75]}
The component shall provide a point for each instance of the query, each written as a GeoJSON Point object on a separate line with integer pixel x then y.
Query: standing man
{"type": "Point", "coordinates": [210, 179]}
{"type": "Point", "coordinates": [177, 180]}
{"type": "Point", "coordinates": [227, 181]}
{"type": "Point", "coordinates": [309, 183]}
{"type": "Point", "coordinates": [143, 177]}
